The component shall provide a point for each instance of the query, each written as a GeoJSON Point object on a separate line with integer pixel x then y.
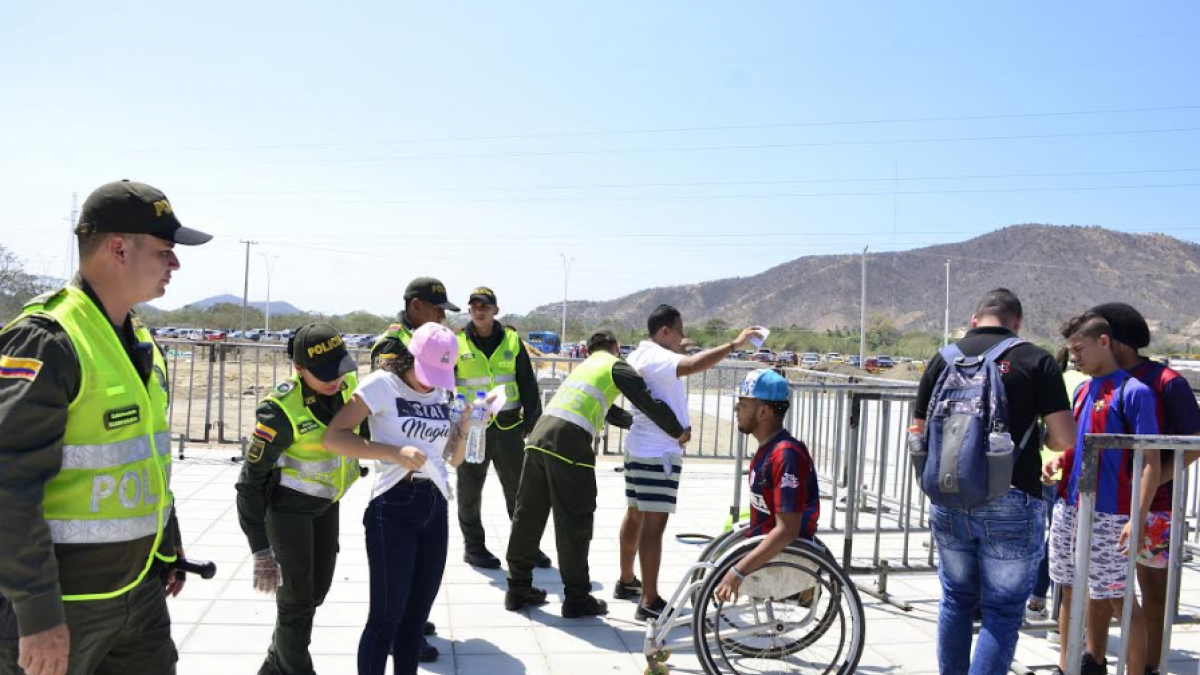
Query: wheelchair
{"type": "Point", "coordinates": [799, 613]}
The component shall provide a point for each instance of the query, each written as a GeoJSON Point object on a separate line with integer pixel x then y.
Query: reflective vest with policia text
{"type": "Point", "coordinates": [396, 330]}
{"type": "Point", "coordinates": [585, 397]}
{"type": "Point", "coordinates": [476, 372]}
{"type": "Point", "coordinates": [114, 486]}
{"type": "Point", "coordinates": [306, 466]}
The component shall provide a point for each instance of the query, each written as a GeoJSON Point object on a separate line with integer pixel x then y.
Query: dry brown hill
{"type": "Point", "coordinates": [1056, 271]}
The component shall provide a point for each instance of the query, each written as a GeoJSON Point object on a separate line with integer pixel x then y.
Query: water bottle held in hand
{"type": "Point", "coordinates": [457, 407]}
{"type": "Point", "coordinates": [475, 439]}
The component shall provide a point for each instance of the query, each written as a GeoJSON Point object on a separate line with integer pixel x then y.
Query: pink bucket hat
{"type": "Point", "coordinates": [435, 351]}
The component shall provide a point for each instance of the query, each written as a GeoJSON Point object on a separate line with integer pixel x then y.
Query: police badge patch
{"type": "Point", "coordinates": [283, 388]}
{"type": "Point", "coordinates": [255, 452]}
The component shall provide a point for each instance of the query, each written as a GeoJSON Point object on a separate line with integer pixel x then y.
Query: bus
{"type": "Point", "coordinates": [546, 342]}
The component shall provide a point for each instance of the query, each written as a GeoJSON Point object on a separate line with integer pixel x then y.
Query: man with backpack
{"type": "Point", "coordinates": [974, 441]}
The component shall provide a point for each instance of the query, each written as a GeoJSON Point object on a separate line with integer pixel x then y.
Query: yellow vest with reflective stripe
{"type": "Point", "coordinates": [584, 398]}
{"type": "Point", "coordinates": [396, 330]}
{"type": "Point", "coordinates": [114, 486]}
{"type": "Point", "coordinates": [306, 466]}
{"type": "Point", "coordinates": [476, 372]}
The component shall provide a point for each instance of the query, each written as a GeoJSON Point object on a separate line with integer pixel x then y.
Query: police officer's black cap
{"type": "Point", "coordinates": [1127, 324]}
{"type": "Point", "coordinates": [319, 349]}
{"type": "Point", "coordinates": [483, 294]}
{"type": "Point", "coordinates": [128, 207]}
{"type": "Point", "coordinates": [600, 337]}
{"type": "Point", "coordinates": [430, 290]}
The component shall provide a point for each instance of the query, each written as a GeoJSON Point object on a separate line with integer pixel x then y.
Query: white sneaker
{"type": "Point", "coordinates": [1053, 637]}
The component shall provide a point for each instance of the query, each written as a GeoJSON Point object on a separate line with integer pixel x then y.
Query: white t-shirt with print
{"type": "Point", "coordinates": [657, 366]}
{"type": "Point", "coordinates": [400, 416]}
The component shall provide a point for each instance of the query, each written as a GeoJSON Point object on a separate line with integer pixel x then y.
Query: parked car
{"type": "Point", "coordinates": [763, 356]}
{"type": "Point", "coordinates": [884, 361]}
{"type": "Point", "coordinates": [737, 355]}
{"type": "Point", "coordinates": [834, 357]}
{"type": "Point", "coordinates": [787, 358]}
{"type": "Point", "coordinates": [215, 335]}
{"type": "Point", "coordinates": [853, 360]}
{"type": "Point", "coordinates": [254, 335]}
{"type": "Point", "coordinates": [809, 359]}
{"type": "Point", "coordinates": [871, 364]}
{"type": "Point", "coordinates": [625, 350]}
{"type": "Point", "coordinates": [192, 334]}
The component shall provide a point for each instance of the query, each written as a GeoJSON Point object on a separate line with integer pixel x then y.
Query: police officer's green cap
{"type": "Point", "coordinates": [319, 349]}
{"type": "Point", "coordinates": [600, 337]}
{"type": "Point", "coordinates": [483, 294]}
{"type": "Point", "coordinates": [430, 290]}
{"type": "Point", "coordinates": [128, 207]}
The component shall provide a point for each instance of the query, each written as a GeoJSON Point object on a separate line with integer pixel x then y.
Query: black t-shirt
{"type": "Point", "coordinates": [1033, 384]}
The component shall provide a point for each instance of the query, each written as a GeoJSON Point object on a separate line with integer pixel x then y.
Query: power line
{"type": "Point", "coordinates": [669, 184]}
{"type": "Point", "coordinates": [768, 195]}
{"type": "Point", "coordinates": [666, 130]}
{"type": "Point", "coordinates": [740, 146]}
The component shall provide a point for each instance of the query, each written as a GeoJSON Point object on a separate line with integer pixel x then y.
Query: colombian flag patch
{"type": "Point", "coordinates": [264, 432]}
{"type": "Point", "coordinates": [19, 369]}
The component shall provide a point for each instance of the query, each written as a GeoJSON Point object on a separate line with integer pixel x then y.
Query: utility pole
{"type": "Point", "coordinates": [69, 260]}
{"type": "Point", "coordinates": [946, 330]}
{"type": "Point", "coordinates": [862, 318]}
{"type": "Point", "coordinates": [246, 285]}
{"type": "Point", "coordinates": [562, 338]}
{"type": "Point", "coordinates": [270, 262]}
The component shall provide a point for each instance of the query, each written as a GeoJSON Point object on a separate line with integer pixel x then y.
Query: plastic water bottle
{"type": "Point", "coordinates": [475, 439]}
{"type": "Point", "coordinates": [457, 407]}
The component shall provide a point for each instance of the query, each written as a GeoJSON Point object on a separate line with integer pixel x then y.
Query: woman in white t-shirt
{"type": "Point", "coordinates": [406, 402]}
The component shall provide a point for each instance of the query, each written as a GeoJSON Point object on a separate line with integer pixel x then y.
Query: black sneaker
{"type": "Point", "coordinates": [516, 598]}
{"type": "Point", "coordinates": [627, 591]}
{"type": "Point", "coordinates": [481, 558]}
{"type": "Point", "coordinates": [650, 612]}
{"type": "Point", "coordinates": [1151, 670]}
{"type": "Point", "coordinates": [543, 561]}
{"type": "Point", "coordinates": [429, 628]}
{"type": "Point", "coordinates": [1091, 666]}
{"type": "Point", "coordinates": [589, 606]}
{"type": "Point", "coordinates": [428, 653]}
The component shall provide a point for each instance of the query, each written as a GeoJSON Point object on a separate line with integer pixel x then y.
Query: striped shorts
{"type": "Point", "coordinates": [647, 486]}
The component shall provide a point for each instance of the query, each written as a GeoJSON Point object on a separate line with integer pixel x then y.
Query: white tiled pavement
{"type": "Point", "coordinates": [223, 627]}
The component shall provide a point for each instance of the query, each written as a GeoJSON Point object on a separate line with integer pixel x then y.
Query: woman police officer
{"type": "Point", "coordinates": [289, 490]}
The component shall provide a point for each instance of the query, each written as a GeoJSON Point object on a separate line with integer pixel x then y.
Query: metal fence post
{"type": "Point", "coordinates": [1135, 545]}
{"type": "Point", "coordinates": [1083, 547]}
{"type": "Point", "coordinates": [1175, 562]}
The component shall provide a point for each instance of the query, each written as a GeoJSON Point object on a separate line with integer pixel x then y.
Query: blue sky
{"type": "Point", "coordinates": [654, 143]}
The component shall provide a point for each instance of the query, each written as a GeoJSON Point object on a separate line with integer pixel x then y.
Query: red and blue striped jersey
{"type": "Point", "coordinates": [1178, 413]}
{"type": "Point", "coordinates": [1117, 404]}
{"type": "Point", "coordinates": [783, 480]}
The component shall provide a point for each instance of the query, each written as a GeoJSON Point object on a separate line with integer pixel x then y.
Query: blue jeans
{"type": "Point", "coordinates": [987, 556]}
{"type": "Point", "coordinates": [407, 535]}
{"type": "Point", "coordinates": [1041, 587]}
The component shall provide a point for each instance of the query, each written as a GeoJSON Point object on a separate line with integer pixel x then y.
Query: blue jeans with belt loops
{"type": "Point", "coordinates": [407, 535]}
{"type": "Point", "coordinates": [988, 557]}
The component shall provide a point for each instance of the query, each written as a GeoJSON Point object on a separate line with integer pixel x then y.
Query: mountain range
{"type": "Point", "coordinates": [278, 308]}
{"type": "Point", "coordinates": [1057, 271]}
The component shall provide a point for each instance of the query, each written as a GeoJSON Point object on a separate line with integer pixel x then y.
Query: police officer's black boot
{"type": "Point", "coordinates": [523, 596]}
{"type": "Point", "coordinates": [588, 605]}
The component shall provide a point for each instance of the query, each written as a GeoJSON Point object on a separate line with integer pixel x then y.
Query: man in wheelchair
{"type": "Point", "coordinates": [784, 498]}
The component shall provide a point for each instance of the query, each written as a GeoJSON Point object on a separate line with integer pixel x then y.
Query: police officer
{"type": "Point", "coordinates": [559, 473]}
{"type": "Point", "coordinates": [425, 300]}
{"type": "Point", "coordinates": [290, 487]}
{"type": "Point", "coordinates": [88, 517]}
{"type": "Point", "coordinates": [491, 355]}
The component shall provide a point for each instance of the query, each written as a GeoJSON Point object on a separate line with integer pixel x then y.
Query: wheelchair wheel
{"type": "Point", "coordinates": [800, 613]}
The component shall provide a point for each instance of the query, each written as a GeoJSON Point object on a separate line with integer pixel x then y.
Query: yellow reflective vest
{"type": "Point", "coordinates": [114, 486]}
{"type": "Point", "coordinates": [584, 398]}
{"type": "Point", "coordinates": [306, 466]}
{"type": "Point", "coordinates": [476, 372]}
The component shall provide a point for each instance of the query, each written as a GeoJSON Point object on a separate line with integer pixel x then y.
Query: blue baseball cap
{"type": "Point", "coordinates": [764, 385]}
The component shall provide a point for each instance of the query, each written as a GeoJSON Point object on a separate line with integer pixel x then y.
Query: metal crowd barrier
{"type": "Point", "coordinates": [1093, 445]}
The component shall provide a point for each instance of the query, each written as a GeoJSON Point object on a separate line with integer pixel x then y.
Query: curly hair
{"type": "Point", "coordinates": [397, 364]}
